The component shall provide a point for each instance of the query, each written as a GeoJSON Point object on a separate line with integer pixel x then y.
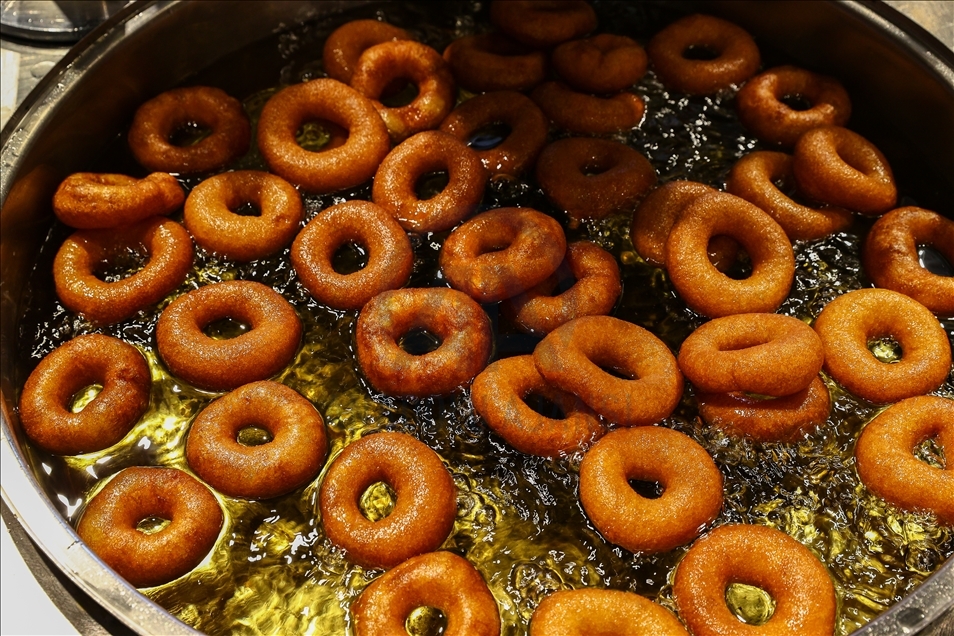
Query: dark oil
{"type": "Point", "coordinates": [519, 520]}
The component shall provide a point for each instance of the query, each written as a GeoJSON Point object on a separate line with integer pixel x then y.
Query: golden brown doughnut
{"type": "Point", "coordinates": [157, 119]}
{"type": "Point", "coordinates": [584, 114]}
{"type": "Point", "coordinates": [756, 178]}
{"type": "Point", "coordinates": [493, 62]}
{"type": "Point", "coordinates": [887, 464]}
{"type": "Point", "coordinates": [88, 360]}
{"type": "Point", "coordinates": [768, 354]}
{"type": "Point", "coordinates": [891, 260]}
{"type": "Point", "coordinates": [389, 252]}
{"type": "Point", "coordinates": [459, 324]}
{"type": "Point", "coordinates": [848, 323]}
{"type": "Point", "coordinates": [543, 23]}
{"type": "Point", "coordinates": [425, 493]}
{"type": "Point", "coordinates": [595, 290]}
{"type": "Point", "coordinates": [333, 168]}
{"type": "Point", "coordinates": [691, 484]}
{"type": "Point", "coordinates": [441, 580]}
{"type": "Point", "coordinates": [604, 63]}
{"type": "Point", "coordinates": [270, 342]}
{"type": "Point", "coordinates": [346, 44]}
{"type": "Point", "coordinates": [427, 152]}
{"type": "Point", "coordinates": [167, 246]}
{"type": "Point", "coordinates": [601, 611]}
{"type": "Point", "coordinates": [762, 109]}
{"type": "Point", "coordinates": [593, 178]}
{"type": "Point", "coordinates": [573, 357]}
{"type": "Point", "coordinates": [296, 450]}
{"type": "Point", "coordinates": [503, 252]}
{"type": "Point", "coordinates": [727, 55]}
{"type": "Point", "coordinates": [704, 288]}
{"type": "Point", "coordinates": [90, 200]}
{"type": "Point", "coordinates": [419, 64]}
{"type": "Point", "coordinates": [763, 557]}
{"type": "Point", "coordinates": [499, 394]}
{"type": "Point", "coordinates": [211, 217]}
{"type": "Point", "coordinates": [527, 125]}
{"type": "Point", "coordinates": [783, 419]}
{"type": "Point", "coordinates": [109, 525]}
{"type": "Point", "coordinates": [837, 166]}
{"type": "Point", "coordinates": [655, 215]}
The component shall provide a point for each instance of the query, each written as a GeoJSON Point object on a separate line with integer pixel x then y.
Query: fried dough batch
{"type": "Point", "coordinates": [563, 94]}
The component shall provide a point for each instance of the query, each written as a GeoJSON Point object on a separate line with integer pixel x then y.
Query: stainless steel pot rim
{"type": "Point", "coordinates": [933, 600]}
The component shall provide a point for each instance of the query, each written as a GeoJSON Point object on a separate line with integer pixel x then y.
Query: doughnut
{"type": "Point", "coordinates": [691, 488]}
{"type": "Point", "coordinates": [527, 130]}
{"type": "Point", "coordinates": [543, 23]}
{"type": "Point", "coordinates": [425, 500]}
{"type": "Point", "coordinates": [839, 167]}
{"type": "Point", "coordinates": [500, 394]}
{"type": "Point", "coordinates": [269, 343]}
{"type": "Point", "coordinates": [595, 290]}
{"type": "Point", "coordinates": [427, 152]}
{"type": "Point", "coordinates": [583, 114]}
{"type": "Point", "coordinates": [890, 256]}
{"type": "Point", "coordinates": [109, 525]}
{"type": "Point", "coordinates": [887, 464]}
{"type": "Point", "coordinates": [768, 354]}
{"type": "Point", "coordinates": [493, 62]}
{"type": "Point", "coordinates": [702, 54]}
{"type": "Point", "coordinates": [593, 178]}
{"type": "Point", "coordinates": [333, 168]}
{"type": "Point", "coordinates": [296, 450]}
{"type": "Point", "coordinates": [782, 419]}
{"type": "Point", "coordinates": [601, 611]}
{"type": "Point", "coordinates": [501, 253]}
{"type": "Point", "coordinates": [419, 64]}
{"type": "Point", "coordinates": [798, 582]}
{"type": "Point", "coordinates": [441, 580]}
{"type": "Point", "coordinates": [159, 118]}
{"type": "Point", "coordinates": [346, 44]}
{"type": "Point", "coordinates": [211, 217]}
{"type": "Point", "coordinates": [389, 253]}
{"type": "Point", "coordinates": [604, 63]}
{"type": "Point", "coordinates": [84, 361]}
{"type": "Point", "coordinates": [655, 215]}
{"type": "Point", "coordinates": [164, 243]}
{"type": "Point", "coordinates": [90, 200]}
{"type": "Point", "coordinates": [460, 326]}
{"type": "Point", "coordinates": [701, 285]}
{"type": "Point", "coordinates": [761, 104]}
{"type": "Point", "coordinates": [848, 323]}
{"type": "Point", "coordinates": [575, 356]}
{"type": "Point", "coordinates": [757, 177]}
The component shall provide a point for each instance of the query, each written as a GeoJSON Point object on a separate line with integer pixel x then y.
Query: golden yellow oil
{"type": "Point", "coordinates": [519, 520]}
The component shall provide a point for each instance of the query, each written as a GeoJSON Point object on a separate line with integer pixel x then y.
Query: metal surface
{"type": "Point", "coordinates": [891, 65]}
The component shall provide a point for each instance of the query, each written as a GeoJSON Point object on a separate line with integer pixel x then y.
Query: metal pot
{"type": "Point", "coordinates": [900, 77]}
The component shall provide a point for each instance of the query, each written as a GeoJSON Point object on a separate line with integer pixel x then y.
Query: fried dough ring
{"type": "Point", "coordinates": [85, 361]}
{"type": "Point", "coordinates": [90, 200]}
{"type": "Point", "coordinates": [593, 178]}
{"type": "Point", "coordinates": [692, 488]}
{"type": "Point", "coordinates": [584, 114]}
{"type": "Point", "coordinates": [542, 24]}
{"type": "Point", "coordinates": [425, 507]}
{"type": "Point", "coordinates": [346, 44]}
{"type": "Point", "coordinates": [848, 323]}
{"type": "Point", "coordinates": [488, 62]}
{"type": "Point", "coordinates": [601, 611]}
{"type": "Point", "coordinates": [334, 168]}
{"type": "Point", "coordinates": [573, 357]}
{"type": "Point", "coordinates": [211, 218]}
{"type": "Point", "coordinates": [603, 63]}
{"type": "Point", "coordinates": [499, 394]}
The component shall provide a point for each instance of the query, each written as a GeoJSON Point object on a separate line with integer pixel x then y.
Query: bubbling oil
{"type": "Point", "coordinates": [519, 520]}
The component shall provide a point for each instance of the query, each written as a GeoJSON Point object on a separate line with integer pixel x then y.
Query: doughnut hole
{"type": "Point", "coordinates": [378, 501]}
{"type": "Point", "coordinates": [430, 184]}
{"type": "Point", "coordinates": [419, 342]}
{"type": "Point", "coordinates": [647, 488]}
{"type": "Point", "coordinates": [489, 136]}
{"type": "Point", "coordinates": [225, 329]}
{"type": "Point", "coordinates": [886, 349]}
{"type": "Point", "coordinates": [933, 261]}
{"type": "Point", "coordinates": [120, 265]}
{"type": "Point", "coordinates": [400, 92]}
{"type": "Point", "coordinates": [426, 621]}
{"type": "Point", "coordinates": [542, 405]}
{"type": "Point", "coordinates": [350, 257]}
{"type": "Point", "coordinates": [797, 102]}
{"type": "Point", "coordinates": [320, 134]}
{"type": "Point", "coordinates": [254, 436]}
{"type": "Point", "coordinates": [931, 452]}
{"type": "Point", "coordinates": [152, 524]}
{"type": "Point", "coordinates": [83, 397]}
{"type": "Point", "coordinates": [701, 52]}
{"type": "Point", "coordinates": [188, 134]}
{"type": "Point", "coordinates": [750, 604]}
